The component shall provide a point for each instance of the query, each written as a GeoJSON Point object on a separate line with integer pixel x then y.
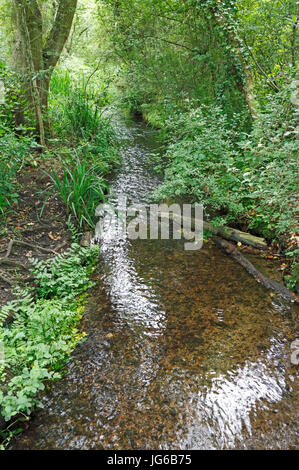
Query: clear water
{"type": "Point", "coordinates": [184, 349]}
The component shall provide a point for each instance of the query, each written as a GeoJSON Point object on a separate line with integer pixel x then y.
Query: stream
{"type": "Point", "coordinates": [184, 349]}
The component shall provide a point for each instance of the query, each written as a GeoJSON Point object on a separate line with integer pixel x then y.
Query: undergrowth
{"type": "Point", "coordinates": [249, 181]}
{"type": "Point", "coordinates": [15, 153]}
{"type": "Point", "coordinates": [44, 331]}
{"type": "Point", "coordinates": [81, 117]}
{"type": "Point", "coordinates": [80, 188]}
{"type": "Point", "coordinates": [246, 180]}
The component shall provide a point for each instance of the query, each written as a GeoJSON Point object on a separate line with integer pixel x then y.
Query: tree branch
{"type": "Point", "coordinates": [172, 43]}
{"type": "Point", "coordinates": [271, 83]}
{"type": "Point", "coordinates": [59, 32]}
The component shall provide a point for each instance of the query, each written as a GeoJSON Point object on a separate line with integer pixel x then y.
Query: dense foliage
{"type": "Point", "coordinates": [44, 329]}
{"type": "Point", "coordinates": [15, 153]}
{"type": "Point", "coordinates": [246, 180]}
{"type": "Point", "coordinates": [217, 77]}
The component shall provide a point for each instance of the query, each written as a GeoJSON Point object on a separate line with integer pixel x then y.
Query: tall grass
{"type": "Point", "coordinates": [76, 107]}
{"type": "Point", "coordinates": [80, 189]}
{"type": "Point", "coordinates": [61, 84]}
{"type": "Point", "coordinates": [78, 113]}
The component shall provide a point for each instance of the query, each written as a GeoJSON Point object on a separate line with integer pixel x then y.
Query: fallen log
{"type": "Point", "coordinates": [237, 236]}
{"type": "Point", "coordinates": [231, 250]}
{"type": "Point", "coordinates": [220, 236]}
{"type": "Point", "coordinates": [227, 233]}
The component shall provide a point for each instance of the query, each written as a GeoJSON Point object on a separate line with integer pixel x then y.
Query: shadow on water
{"type": "Point", "coordinates": [184, 349]}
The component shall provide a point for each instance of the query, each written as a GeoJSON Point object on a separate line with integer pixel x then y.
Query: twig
{"type": "Point", "coordinates": [231, 250]}
{"type": "Point", "coordinates": [29, 245]}
{"type": "Point", "coordinates": [62, 245]}
{"type": "Point", "coordinates": [16, 264]}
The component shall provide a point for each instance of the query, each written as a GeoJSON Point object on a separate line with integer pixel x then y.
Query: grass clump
{"type": "Point", "coordinates": [81, 115]}
{"type": "Point", "coordinates": [80, 188]}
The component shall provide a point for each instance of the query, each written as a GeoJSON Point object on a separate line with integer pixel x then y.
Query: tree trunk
{"type": "Point", "coordinates": [35, 57]}
{"type": "Point", "coordinates": [45, 88]}
{"type": "Point", "coordinates": [294, 43]}
{"type": "Point", "coordinates": [248, 88]}
{"type": "Point", "coordinates": [264, 280]}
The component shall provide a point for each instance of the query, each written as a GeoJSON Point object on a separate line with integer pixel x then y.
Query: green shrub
{"type": "Point", "coordinates": [44, 330]}
{"type": "Point", "coordinates": [65, 275]}
{"type": "Point", "coordinates": [79, 114]}
{"type": "Point", "coordinates": [15, 152]}
{"type": "Point", "coordinates": [80, 188]}
{"type": "Point", "coordinates": [13, 99]}
{"type": "Point", "coordinates": [202, 157]}
{"type": "Point", "coordinates": [250, 181]}
{"type": "Point", "coordinates": [8, 194]}
{"type": "Point", "coordinates": [78, 110]}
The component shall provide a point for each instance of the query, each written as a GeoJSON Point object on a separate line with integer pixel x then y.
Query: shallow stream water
{"type": "Point", "coordinates": [184, 350]}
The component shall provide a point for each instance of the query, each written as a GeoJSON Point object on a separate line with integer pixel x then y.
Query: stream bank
{"type": "Point", "coordinates": [184, 350]}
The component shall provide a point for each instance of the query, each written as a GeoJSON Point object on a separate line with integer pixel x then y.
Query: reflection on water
{"type": "Point", "coordinates": [184, 349]}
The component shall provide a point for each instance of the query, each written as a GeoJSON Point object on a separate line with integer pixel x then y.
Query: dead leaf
{"type": "Point", "coordinates": [50, 235]}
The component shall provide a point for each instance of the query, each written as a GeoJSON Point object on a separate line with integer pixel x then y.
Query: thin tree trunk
{"type": "Point", "coordinates": [30, 60]}
{"type": "Point", "coordinates": [248, 88]}
{"type": "Point", "coordinates": [293, 43]}
{"type": "Point", "coordinates": [36, 90]}
{"type": "Point", "coordinates": [45, 88]}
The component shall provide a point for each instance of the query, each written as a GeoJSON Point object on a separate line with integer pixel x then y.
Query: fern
{"type": "Point", "coordinates": [76, 234]}
{"type": "Point", "coordinates": [44, 330]}
{"type": "Point", "coordinates": [15, 306]}
{"type": "Point", "coordinates": [66, 274]}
